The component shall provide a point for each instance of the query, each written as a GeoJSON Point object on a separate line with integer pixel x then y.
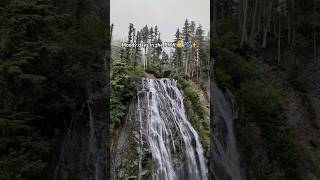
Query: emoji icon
{"type": "Point", "coordinates": [180, 44]}
{"type": "Point", "coordinates": [187, 44]}
{"type": "Point", "coordinates": [194, 45]}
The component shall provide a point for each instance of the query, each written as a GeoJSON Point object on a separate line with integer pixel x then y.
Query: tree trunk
{"type": "Point", "coordinates": [145, 58]}
{"type": "Point", "coordinates": [289, 21]}
{"type": "Point", "coordinates": [260, 10]}
{"type": "Point", "coordinates": [314, 34]}
{"type": "Point", "coordinates": [214, 18]}
{"type": "Point", "coordinates": [267, 27]}
{"type": "Point", "coordinates": [279, 40]}
{"type": "Point", "coordinates": [244, 24]}
{"type": "Point", "coordinates": [253, 24]}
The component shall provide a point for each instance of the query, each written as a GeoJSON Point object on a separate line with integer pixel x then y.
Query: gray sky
{"type": "Point", "coordinates": [167, 14]}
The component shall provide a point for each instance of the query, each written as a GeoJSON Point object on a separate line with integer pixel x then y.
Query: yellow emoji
{"type": "Point", "coordinates": [180, 44]}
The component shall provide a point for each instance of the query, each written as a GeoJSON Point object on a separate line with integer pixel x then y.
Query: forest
{"type": "Point", "coordinates": [189, 65]}
{"type": "Point", "coordinates": [243, 104]}
{"type": "Point", "coordinates": [267, 54]}
{"type": "Point", "coordinates": [50, 53]}
{"type": "Point", "coordinates": [131, 64]}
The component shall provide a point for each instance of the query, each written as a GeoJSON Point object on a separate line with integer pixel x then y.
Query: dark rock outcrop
{"type": "Point", "coordinates": [84, 151]}
{"type": "Point", "coordinates": [224, 157]}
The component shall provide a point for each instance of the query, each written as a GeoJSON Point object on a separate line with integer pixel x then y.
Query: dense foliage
{"type": "Point", "coordinates": [184, 64]}
{"type": "Point", "coordinates": [263, 126]}
{"type": "Point", "coordinates": [262, 104]}
{"type": "Point", "coordinates": [154, 61]}
{"type": "Point", "coordinates": [45, 59]}
{"type": "Point", "coordinates": [124, 82]}
{"type": "Point", "coordinates": [259, 103]}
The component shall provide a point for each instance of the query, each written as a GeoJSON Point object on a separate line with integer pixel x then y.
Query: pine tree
{"type": "Point", "coordinates": [200, 54]}
{"type": "Point", "coordinates": [178, 51]}
{"type": "Point", "coordinates": [186, 52]}
{"type": "Point", "coordinates": [185, 31]}
{"type": "Point", "coordinates": [158, 51]}
{"type": "Point", "coordinates": [156, 34]}
{"type": "Point", "coordinates": [151, 35]}
{"type": "Point", "coordinates": [46, 60]}
{"type": "Point", "coordinates": [192, 28]}
{"type": "Point", "coordinates": [137, 54]}
{"type": "Point", "coordinates": [199, 34]}
{"type": "Point", "coordinates": [130, 40]}
{"type": "Point", "coordinates": [164, 63]}
{"type": "Point", "coordinates": [193, 61]}
{"type": "Point", "coordinates": [145, 36]}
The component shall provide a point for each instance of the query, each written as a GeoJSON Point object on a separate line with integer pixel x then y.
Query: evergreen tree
{"type": "Point", "coordinates": [164, 58]}
{"type": "Point", "coordinates": [186, 51]}
{"type": "Point", "coordinates": [193, 58]}
{"type": "Point", "coordinates": [130, 40]}
{"type": "Point", "coordinates": [45, 60]}
{"type": "Point", "coordinates": [157, 52]}
{"type": "Point", "coordinates": [192, 28]}
{"type": "Point", "coordinates": [186, 30]}
{"type": "Point", "coordinates": [137, 56]}
{"type": "Point", "coordinates": [156, 34]}
{"type": "Point", "coordinates": [151, 35]}
{"type": "Point", "coordinates": [200, 54]}
{"type": "Point", "coordinates": [145, 36]}
{"type": "Point", "coordinates": [178, 51]}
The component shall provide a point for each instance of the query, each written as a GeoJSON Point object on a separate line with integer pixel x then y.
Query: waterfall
{"type": "Point", "coordinates": [163, 135]}
{"type": "Point", "coordinates": [81, 151]}
{"type": "Point", "coordinates": [141, 139]}
{"type": "Point", "coordinates": [82, 154]}
{"type": "Point", "coordinates": [167, 114]}
{"type": "Point", "coordinates": [224, 164]}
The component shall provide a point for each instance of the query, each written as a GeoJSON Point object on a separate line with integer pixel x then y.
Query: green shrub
{"type": "Point", "coordinates": [46, 61]}
{"type": "Point", "coordinates": [232, 70]}
{"type": "Point", "coordinates": [124, 82]}
{"type": "Point", "coordinates": [262, 105]}
{"type": "Point", "coordinates": [194, 109]}
{"type": "Point", "coordinates": [155, 70]}
{"type": "Point", "coordinates": [197, 106]}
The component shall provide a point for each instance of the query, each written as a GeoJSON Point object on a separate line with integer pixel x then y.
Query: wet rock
{"type": "Point", "coordinates": [165, 144]}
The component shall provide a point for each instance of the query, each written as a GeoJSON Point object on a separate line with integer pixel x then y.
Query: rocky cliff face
{"type": "Point", "coordinates": [225, 159]}
{"type": "Point", "coordinates": [302, 110]}
{"type": "Point", "coordinates": [83, 151]}
{"type": "Point", "coordinates": [312, 75]}
{"type": "Point", "coordinates": [157, 140]}
{"type": "Point", "coordinates": [296, 110]}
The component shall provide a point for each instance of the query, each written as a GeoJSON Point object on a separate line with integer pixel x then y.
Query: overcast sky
{"type": "Point", "coordinates": [167, 14]}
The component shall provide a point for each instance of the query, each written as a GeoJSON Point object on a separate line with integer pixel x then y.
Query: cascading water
{"type": "Point", "coordinates": [163, 135]}
{"type": "Point", "coordinates": [224, 164]}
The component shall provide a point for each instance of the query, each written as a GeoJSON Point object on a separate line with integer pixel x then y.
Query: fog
{"type": "Point", "coordinates": [167, 14]}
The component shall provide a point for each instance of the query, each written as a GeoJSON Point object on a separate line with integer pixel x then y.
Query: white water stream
{"type": "Point", "coordinates": [168, 129]}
